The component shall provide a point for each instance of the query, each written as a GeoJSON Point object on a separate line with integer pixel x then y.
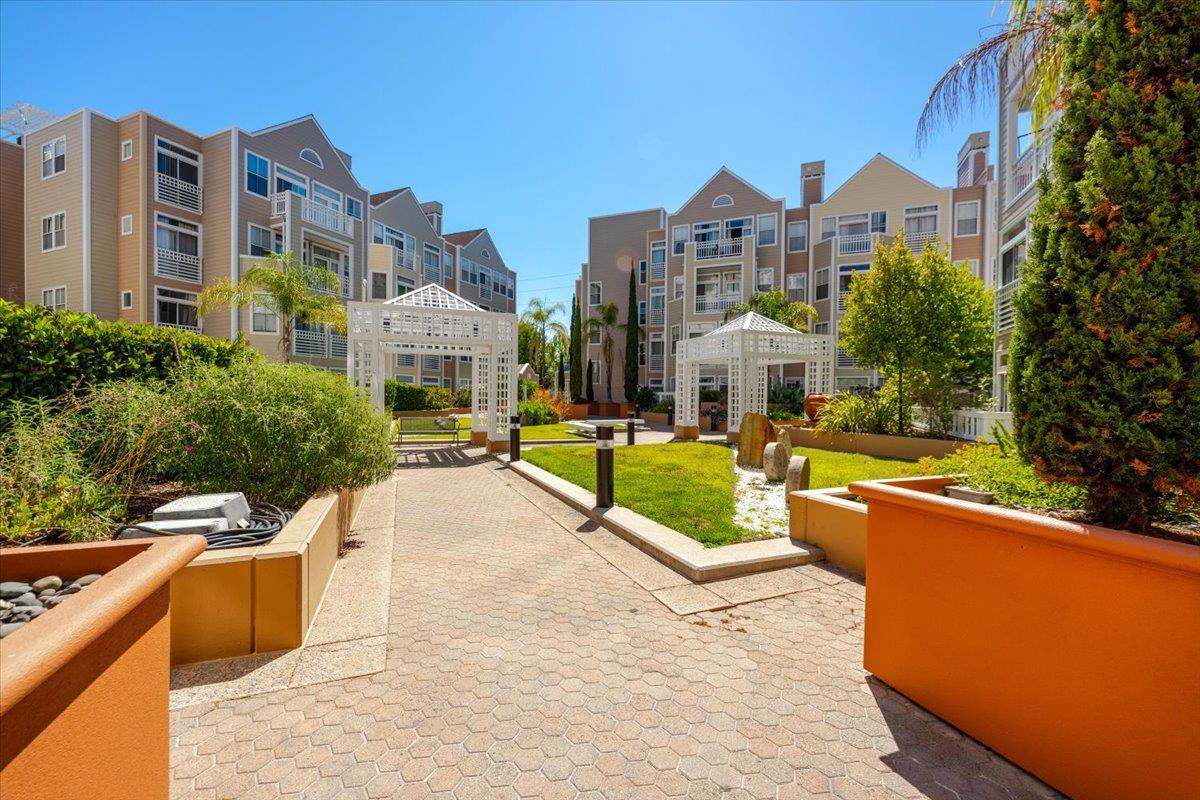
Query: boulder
{"type": "Point", "coordinates": [797, 474]}
{"type": "Point", "coordinates": [755, 431]}
{"type": "Point", "coordinates": [776, 457]}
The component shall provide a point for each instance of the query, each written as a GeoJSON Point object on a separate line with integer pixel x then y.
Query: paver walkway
{"type": "Point", "coordinates": [525, 660]}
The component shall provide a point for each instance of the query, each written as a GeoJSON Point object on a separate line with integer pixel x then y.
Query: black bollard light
{"type": "Point", "coordinates": [604, 466]}
{"type": "Point", "coordinates": [629, 436]}
{"type": "Point", "coordinates": [514, 438]}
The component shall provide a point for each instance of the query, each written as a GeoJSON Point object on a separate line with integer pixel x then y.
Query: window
{"type": "Point", "coordinates": [178, 162]}
{"type": "Point", "coordinates": [404, 378]}
{"type": "Point", "coordinates": [966, 219]}
{"type": "Point", "coordinates": [966, 172]}
{"type": "Point", "coordinates": [54, 157]}
{"type": "Point", "coordinates": [484, 276]}
{"type": "Point", "coordinates": [431, 380]}
{"type": "Point", "coordinates": [658, 298]}
{"type": "Point", "coordinates": [1010, 263]}
{"type": "Point", "coordinates": [821, 328]}
{"type": "Point", "coordinates": [127, 224]}
{"type": "Point", "coordinates": [642, 272]}
{"type": "Point", "coordinates": [447, 264]}
{"type": "Point", "coordinates": [263, 241]}
{"type": "Point", "coordinates": [379, 286]}
{"type": "Point", "coordinates": [722, 200]}
{"type": "Point", "coordinates": [678, 293]}
{"type": "Point", "coordinates": [674, 338]}
{"type": "Point", "coordinates": [433, 264]}
{"type": "Point", "coordinates": [853, 224]}
{"type": "Point", "coordinates": [127, 149]}
{"type": "Point", "coordinates": [126, 299]}
{"type": "Point", "coordinates": [679, 237]}
{"type": "Point", "coordinates": [846, 273]}
{"type": "Point", "coordinates": [54, 231]}
{"type": "Point", "coordinates": [594, 295]}
{"type": "Point", "coordinates": [175, 309]}
{"type": "Point", "coordinates": [430, 363]}
{"type": "Point", "coordinates": [310, 155]}
{"type": "Point", "coordinates": [878, 222]}
{"type": "Point", "coordinates": [706, 231]}
{"type": "Point", "coordinates": [737, 228]}
{"type": "Point", "coordinates": [324, 196]}
{"type": "Point", "coordinates": [258, 172]}
{"type": "Point", "coordinates": [55, 298]}
{"type": "Point", "coordinates": [262, 320]}
{"type": "Point", "coordinates": [828, 228]}
{"type": "Point", "coordinates": [177, 236]}
{"type": "Point", "coordinates": [594, 337]}
{"type": "Point", "coordinates": [797, 236]}
{"type": "Point", "coordinates": [765, 280]}
{"type": "Point", "coordinates": [797, 288]}
{"type": "Point", "coordinates": [288, 181]}
{"type": "Point", "coordinates": [656, 385]}
{"type": "Point", "coordinates": [641, 312]}
{"type": "Point", "coordinates": [486, 253]}
{"type": "Point", "coordinates": [354, 207]}
{"type": "Point", "coordinates": [766, 229]}
{"type": "Point", "coordinates": [920, 219]}
{"type": "Point", "coordinates": [658, 260]}
{"type": "Point", "coordinates": [404, 285]}
{"type": "Point", "coordinates": [822, 285]}
{"type": "Point", "coordinates": [656, 351]}
{"type": "Point", "coordinates": [641, 354]}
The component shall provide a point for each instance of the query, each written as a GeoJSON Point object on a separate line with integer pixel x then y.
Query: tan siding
{"type": "Point", "coordinates": [12, 234]}
{"type": "Point", "coordinates": [131, 200]}
{"type": "Point", "coordinates": [63, 192]}
{"type": "Point", "coordinates": [971, 247]}
{"type": "Point", "coordinates": [217, 230]}
{"type": "Point", "coordinates": [105, 231]}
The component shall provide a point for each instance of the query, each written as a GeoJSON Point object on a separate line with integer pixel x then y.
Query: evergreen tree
{"type": "Point", "coordinates": [1105, 371]}
{"type": "Point", "coordinates": [591, 394]}
{"type": "Point", "coordinates": [633, 333]}
{"type": "Point", "coordinates": [575, 364]}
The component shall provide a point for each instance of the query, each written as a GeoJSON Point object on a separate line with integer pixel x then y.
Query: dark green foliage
{"type": "Point", "coordinates": [575, 367]}
{"type": "Point", "coordinates": [410, 397]}
{"type": "Point", "coordinates": [989, 468]}
{"type": "Point", "coordinates": [591, 392]}
{"type": "Point", "coordinates": [633, 333]}
{"type": "Point", "coordinates": [537, 412]}
{"type": "Point", "coordinates": [644, 398]}
{"type": "Point", "coordinates": [46, 353]}
{"type": "Point", "coordinates": [462, 397]}
{"type": "Point", "coordinates": [1105, 372]}
{"type": "Point", "coordinates": [790, 397]}
{"type": "Point", "coordinates": [714, 395]}
{"type": "Point", "coordinates": [847, 412]}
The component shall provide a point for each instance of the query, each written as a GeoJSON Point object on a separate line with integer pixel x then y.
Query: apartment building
{"type": "Point", "coordinates": [132, 218]}
{"type": "Point", "coordinates": [731, 240]}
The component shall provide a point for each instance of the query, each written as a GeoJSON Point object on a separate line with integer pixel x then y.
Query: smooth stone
{"type": "Point", "coordinates": [5, 613]}
{"type": "Point", "coordinates": [71, 589]}
{"type": "Point", "coordinates": [10, 627]}
{"type": "Point", "coordinates": [776, 456]}
{"type": "Point", "coordinates": [5, 604]}
{"type": "Point", "coordinates": [51, 602]}
{"type": "Point", "coordinates": [87, 580]}
{"type": "Point", "coordinates": [48, 582]}
{"type": "Point", "coordinates": [46, 593]}
{"type": "Point", "coordinates": [754, 433]}
{"type": "Point", "coordinates": [26, 613]}
{"type": "Point", "coordinates": [10, 590]}
{"type": "Point", "coordinates": [797, 474]}
{"type": "Point", "coordinates": [27, 599]}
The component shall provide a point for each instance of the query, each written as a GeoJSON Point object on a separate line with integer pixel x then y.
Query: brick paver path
{"type": "Point", "coordinates": [521, 663]}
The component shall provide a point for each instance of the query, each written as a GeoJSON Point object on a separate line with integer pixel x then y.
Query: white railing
{"type": "Point", "coordinates": [279, 204]}
{"type": "Point", "coordinates": [308, 343]}
{"type": "Point", "coordinates": [716, 303]}
{"type": "Point", "coordinates": [1027, 168]}
{"type": "Point", "coordinates": [173, 264]}
{"type": "Point", "coordinates": [405, 259]}
{"type": "Point", "coordinates": [179, 326]}
{"type": "Point", "coordinates": [337, 345]}
{"type": "Point", "coordinates": [656, 363]}
{"type": "Point", "coordinates": [656, 316]}
{"type": "Point", "coordinates": [719, 248]}
{"type": "Point", "coordinates": [972, 424]}
{"type": "Point", "coordinates": [916, 242]}
{"type": "Point", "coordinates": [658, 272]}
{"type": "Point", "coordinates": [855, 243]}
{"type": "Point", "coordinates": [180, 193]}
{"type": "Point", "coordinates": [846, 360]}
{"type": "Point", "coordinates": [325, 217]}
{"type": "Point", "coordinates": [842, 297]}
{"type": "Point", "coordinates": [1005, 313]}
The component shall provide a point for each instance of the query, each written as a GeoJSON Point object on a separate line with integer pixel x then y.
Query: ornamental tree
{"type": "Point", "coordinates": [1105, 370]}
{"type": "Point", "coordinates": [633, 333]}
{"type": "Point", "coordinates": [574, 365]}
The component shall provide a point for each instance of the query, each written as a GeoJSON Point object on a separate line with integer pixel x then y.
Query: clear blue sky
{"type": "Point", "coordinates": [524, 118]}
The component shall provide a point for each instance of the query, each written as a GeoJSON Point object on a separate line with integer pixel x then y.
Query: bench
{"type": "Point", "coordinates": [425, 427]}
{"type": "Point", "coordinates": [588, 428]}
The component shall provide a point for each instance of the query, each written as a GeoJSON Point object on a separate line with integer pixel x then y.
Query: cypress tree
{"type": "Point", "coordinates": [575, 366]}
{"type": "Point", "coordinates": [1105, 371]}
{"type": "Point", "coordinates": [591, 393]}
{"type": "Point", "coordinates": [633, 332]}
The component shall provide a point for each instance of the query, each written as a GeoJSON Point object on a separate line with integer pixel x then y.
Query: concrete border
{"type": "Point", "coordinates": [681, 553]}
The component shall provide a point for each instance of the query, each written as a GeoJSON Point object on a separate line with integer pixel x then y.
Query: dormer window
{"type": "Point", "coordinates": [310, 155]}
{"type": "Point", "coordinates": [485, 253]}
{"type": "Point", "coordinates": [722, 200]}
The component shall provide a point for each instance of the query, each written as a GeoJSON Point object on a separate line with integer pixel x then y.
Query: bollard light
{"type": "Point", "coordinates": [604, 466]}
{"type": "Point", "coordinates": [514, 438]}
{"type": "Point", "coordinates": [629, 434]}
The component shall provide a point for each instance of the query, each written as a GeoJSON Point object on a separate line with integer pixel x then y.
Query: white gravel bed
{"type": "Point", "coordinates": [759, 506]}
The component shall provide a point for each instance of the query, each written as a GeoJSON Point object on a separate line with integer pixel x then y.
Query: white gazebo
{"type": "Point", "coordinates": [747, 345]}
{"type": "Point", "coordinates": [432, 320]}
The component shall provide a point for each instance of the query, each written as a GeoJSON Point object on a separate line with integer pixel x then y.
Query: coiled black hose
{"type": "Point", "coordinates": [265, 523]}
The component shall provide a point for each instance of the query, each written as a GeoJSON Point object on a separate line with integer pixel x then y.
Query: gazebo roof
{"type": "Point", "coordinates": [433, 295]}
{"type": "Point", "coordinates": [751, 321]}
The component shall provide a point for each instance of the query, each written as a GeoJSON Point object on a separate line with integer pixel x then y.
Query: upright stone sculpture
{"type": "Point", "coordinates": [753, 434]}
{"type": "Point", "coordinates": [797, 475]}
{"type": "Point", "coordinates": [776, 456]}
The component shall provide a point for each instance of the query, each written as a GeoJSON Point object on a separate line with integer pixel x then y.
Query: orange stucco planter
{"type": "Point", "coordinates": [83, 688]}
{"type": "Point", "coordinates": [1073, 650]}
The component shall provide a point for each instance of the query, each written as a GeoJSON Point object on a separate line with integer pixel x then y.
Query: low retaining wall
{"type": "Point", "coordinates": [655, 418]}
{"type": "Point", "coordinates": [609, 410]}
{"type": "Point", "coordinates": [871, 444]}
{"type": "Point", "coordinates": [228, 603]}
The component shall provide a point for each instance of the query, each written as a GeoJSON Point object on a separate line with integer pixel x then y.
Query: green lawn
{"type": "Point", "coordinates": [558, 430]}
{"type": "Point", "coordinates": [689, 486]}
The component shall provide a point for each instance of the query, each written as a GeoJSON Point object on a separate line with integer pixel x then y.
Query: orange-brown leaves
{"type": "Point", "coordinates": [1131, 23]}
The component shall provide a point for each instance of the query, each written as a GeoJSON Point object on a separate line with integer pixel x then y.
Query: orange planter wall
{"type": "Point", "coordinates": [1073, 650]}
{"type": "Point", "coordinates": [83, 689]}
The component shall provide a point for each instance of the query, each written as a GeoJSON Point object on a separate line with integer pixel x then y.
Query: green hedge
{"type": "Point", "coordinates": [410, 397]}
{"type": "Point", "coordinates": [44, 353]}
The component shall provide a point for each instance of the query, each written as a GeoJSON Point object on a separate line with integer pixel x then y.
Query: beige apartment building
{"type": "Point", "coordinates": [132, 218]}
{"type": "Point", "coordinates": [731, 240]}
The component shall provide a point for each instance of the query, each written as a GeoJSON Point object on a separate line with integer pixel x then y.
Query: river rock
{"type": "Point", "coordinates": [27, 599]}
{"type": "Point", "coordinates": [10, 590]}
{"type": "Point", "coordinates": [49, 582]}
{"type": "Point", "coordinates": [754, 432]}
{"type": "Point", "coordinates": [26, 613]}
{"type": "Point", "coordinates": [87, 580]}
{"type": "Point", "coordinates": [797, 474]}
{"type": "Point", "coordinates": [9, 627]}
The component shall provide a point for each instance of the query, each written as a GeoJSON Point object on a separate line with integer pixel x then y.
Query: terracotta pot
{"type": "Point", "coordinates": [813, 404]}
{"type": "Point", "coordinates": [83, 688]}
{"type": "Point", "coordinates": [1073, 650]}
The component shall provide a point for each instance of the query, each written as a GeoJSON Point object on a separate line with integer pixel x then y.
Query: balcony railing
{"type": "Point", "coordinates": [658, 271]}
{"type": "Point", "coordinates": [1027, 168]}
{"type": "Point", "coordinates": [404, 259]}
{"type": "Point", "coordinates": [716, 303]}
{"type": "Point", "coordinates": [972, 424]}
{"type": "Point", "coordinates": [916, 242]}
{"type": "Point", "coordinates": [180, 193]}
{"type": "Point", "coordinates": [656, 316]}
{"type": "Point", "coordinates": [178, 325]}
{"type": "Point", "coordinates": [173, 264]}
{"type": "Point", "coordinates": [720, 248]}
{"type": "Point", "coordinates": [656, 363]}
{"type": "Point", "coordinates": [842, 297]}
{"type": "Point", "coordinates": [855, 243]}
{"type": "Point", "coordinates": [308, 343]}
{"type": "Point", "coordinates": [845, 360]}
{"type": "Point", "coordinates": [1005, 314]}
{"type": "Point", "coordinates": [337, 345]}
{"type": "Point", "coordinates": [317, 214]}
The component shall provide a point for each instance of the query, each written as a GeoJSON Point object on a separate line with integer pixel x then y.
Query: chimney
{"type": "Point", "coordinates": [433, 212]}
{"type": "Point", "coordinates": [973, 167]}
{"type": "Point", "coordinates": [812, 182]}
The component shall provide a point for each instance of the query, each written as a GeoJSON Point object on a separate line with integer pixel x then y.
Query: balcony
{"type": "Point", "coordinates": [719, 248]}
{"type": "Point", "coordinates": [173, 264]}
{"type": "Point", "coordinates": [1026, 169]}
{"type": "Point", "coordinates": [313, 213]}
{"type": "Point", "coordinates": [1005, 314]}
{"type": "Point", "coordinates": [716, 303]}
{"type": "Point", "coordinates": [309, 343]}
{"type": "Point", "coordinates": [656, 363]}
{"type": "Point", "coordinates": [842, 297]}
{"type": "Point", "coordinates": [856, 243]}
{"type": "Point", "coordinates": [916, 242]}
{"type": "Point", "coordinates": [656, 316]}
{"type": "Point", "coordinates": [179, 193]}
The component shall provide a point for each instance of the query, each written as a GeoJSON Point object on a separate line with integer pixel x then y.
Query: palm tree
{"type": "Point", "coordinates": [775, 305]}
{"type": "Point", "coordinates": [291, 290]}
{"type": "Point", "coordinates": [604, 323]}
{"type": "Point", "coordinates": [1030, 41]}
{"type": "Point", "coordinates": [541, 315]}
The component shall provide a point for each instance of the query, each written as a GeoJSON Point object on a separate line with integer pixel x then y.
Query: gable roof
{"type": "Point", "coordinates": [872, 160]}
{"type": "Point", "coordinates": [732, 174]}
{"type": "Point", "coordinates": [328, 141]}
{"type": "Point", "coordinates": [433, 295]}
{"type": "Point", "coordinates": [751, 321]}
{"type": "Point", "coordinates": [463, 238]}
{"type": "Point", "coordinates": [379, 198]}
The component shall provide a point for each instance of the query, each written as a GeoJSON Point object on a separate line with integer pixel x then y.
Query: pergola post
{"type": "Point", "coordinates": [481, 370]}
{"type": "Point", "coordinates": [687, 403]}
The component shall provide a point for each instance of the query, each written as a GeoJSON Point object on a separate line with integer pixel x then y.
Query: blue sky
{"type": "Point", "coordinates": [524, 118]}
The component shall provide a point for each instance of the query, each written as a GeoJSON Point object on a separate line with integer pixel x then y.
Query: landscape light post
{"type": "Point", "coordinates": [604, 466]}
{"type": "Point", "coordinates": [629, 434]}
{"type": "Point", "coordinates": [514, 437]}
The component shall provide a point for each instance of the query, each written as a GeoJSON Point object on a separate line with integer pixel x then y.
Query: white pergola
{"type": "Point", "coordinates": [747, 345]}
{"type": "Point", "coordinates": [432, 320]}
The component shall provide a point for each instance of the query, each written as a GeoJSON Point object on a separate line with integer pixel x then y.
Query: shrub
{"type": "Point", "coordinates": [989, 468]}
{"type": "Point", "coordinates": [525, 389]}
{"type": "Point", "coordinates": [714, 395]}
{"type": "Point", "coordinates": [410, 397]}
{"type": "Point", "coordinates": [664, 406]}
{"type": "Point", "coordinates": [462, 397]}
{"type": "Point", "coordinates": [1105, 371]}
{"type": "Point", "coordinates": [847, 412]}
{"type": "Point", "coordinates": [537, 412]}
{"type": "Point", "coordinates": [46, 353]}
{"type": "Point", "coordinates": [790, 397]}
{"type": "Point", "coordinates": [644, 398]}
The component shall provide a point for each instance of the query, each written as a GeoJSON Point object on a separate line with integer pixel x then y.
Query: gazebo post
{"type": "Point", "coordinates": [480, 364]}
{"type": "Point", "coordinates": [687, 403]}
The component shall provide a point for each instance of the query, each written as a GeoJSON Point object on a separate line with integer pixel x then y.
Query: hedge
{"type": "Point", "coordinates": [410, 397]}
{"type": "Point", "coordinates": [45, 354]}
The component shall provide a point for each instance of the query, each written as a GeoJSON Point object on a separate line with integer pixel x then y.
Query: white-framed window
{"type": "Point", "coordinates": [767, 229]}
{"type": "Point", "coordinates": [379, 286]}
{"type": "Point", "coordinates": [431, 380]}
{"type": "Point", "coordinates": [404, 378]}
{"type": "Point", "coordinates": [178, 168]}
{"type": "Point", "coordinates": [263, 241]}
{"type": "Point", "coordinates": [658, 301]}
{"type": "Point", "coordinates": [447, 264]}
{"type": "Point", "coordinates": [126, 299]}
{"type": "Point", "coordinates": [739, 227]}
{"type": "Point", "coordinates": [765, 280]}
{"type": "Point", "coordinates": [828, 227]}
{"type": "Point", "coordinates": [54, 231]}
{"type": "Point", "coordinates": [175, 309]}
{"type": "Point", "coordinates": [722, 200]}
{"type": "Point", "coordinates": [706, 231]}
{"type": "Point", "coordinates": [406, 361]}
{"type": "Point", "coordinates": [312, 157]}
{"type": "Point", "coordinates": [641, 312]}
{"type": "Point", "coordinates": [287, 180]}
{"type": "Point", "coordinates": [678, 286]}
{"type": "Point", "coordinates": [258, 174]}
{"type": "Point", "coordinates": [262, 320]}
{"type": "Point", "coordinates": [354, 207]}
{"type": "Point", "coordinates": [679, 237]}
{"type": "Point", "coordinates": [430, 363]}
{"type": "Point", "coordinates": [658, 260]}
{"type": "Point", "coordinates": [126, 224]}
{"type": "Point", "coordinates": [920, 219]}
{"type": "Point", "coordinates": [404, 285]}
{"type": "Point", "coordinates": [675, 329]}
{"type": "Point", "coordinates": [797, 288]}
{"type": "Point", "coordinates": [1011, 260]}
{"type": "Point", "coordinates": [797, 236]}
{"type": "Point", "coordinates": [55, 298]}
{"type": "Point", "coordinates": [853, 224]}
{"type": "Point", "coordinates": [821, 328]}
{"type": "Point", "coordinates": [127, 149]}
{"type": "Point", "coordinates": [966, 218]}
{"type": "Point", "coordinates": [54, 157]}
{"type": "Point", "coordinates": [878, 222]}
{"type": "Point", "coordinates": [177, 248]}
{"type": "Point", "coordinates": [821, 284]}
{"type": "Point", "coordinates": [595, 296]}
{"type": "Point", "coordinates": [323, 195]}
{"type": "Point", "coordinates": [484, 276]}
{"type": "Point", "coordinates": [656, 384]}
{"type": "Point", "coordinates": [642, 272]}
{"type": "Point", "coordinates": [594, 336]}
{"type": "Point", "coordinates": [432, 259]}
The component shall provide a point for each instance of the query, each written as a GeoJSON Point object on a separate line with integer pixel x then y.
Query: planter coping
{"type": "Point", "coordinates": [682, 553]}
{"type": "Point", "coordinates": [33, 653]}
{"type": "Point", "coordinates": [1148, 550]}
